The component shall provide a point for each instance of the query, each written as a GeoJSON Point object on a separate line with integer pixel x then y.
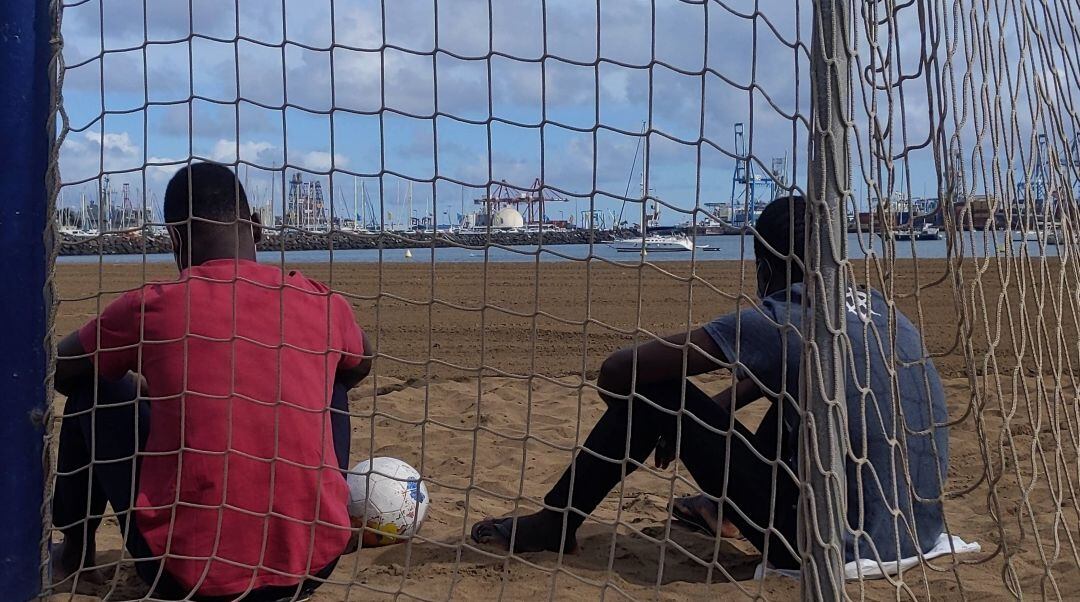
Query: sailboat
{"type": "Point", "coordinates": [660, 243]}
{"type": "Point", "coordinates": [926, 232]}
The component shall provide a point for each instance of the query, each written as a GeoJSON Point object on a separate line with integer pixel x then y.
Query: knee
{"type": "Point", "coordinates": [79, 399]}
{"type": "Point", "coordinates": [122, 392]}
{"type": "Point", "coordinates": [615, 377]}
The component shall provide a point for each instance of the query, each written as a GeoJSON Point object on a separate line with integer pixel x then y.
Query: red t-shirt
{"type": "Point", "coordinates": [238, 484]}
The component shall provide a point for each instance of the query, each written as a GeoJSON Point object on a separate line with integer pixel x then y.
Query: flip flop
{"type": "Point", "coordinates": [690, 519]}
{"type": "Point", "coordinates": [492, 531]}
{"type": "Point", "coordinates": [497, 531]}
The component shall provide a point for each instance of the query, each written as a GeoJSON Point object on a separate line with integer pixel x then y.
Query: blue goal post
{"type": "Point", "coordinates": [25, 106]}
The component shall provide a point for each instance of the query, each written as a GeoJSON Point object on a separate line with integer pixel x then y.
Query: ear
{"type": "Point", "coordinates": [256, 228]}
{"type": "Point", "coordinates": [177, 246]}
{"type": "Point", "coordinates": [174, 237]}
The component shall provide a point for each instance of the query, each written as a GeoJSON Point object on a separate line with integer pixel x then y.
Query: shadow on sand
{"type": "Point", "coordinates": [637, 558]}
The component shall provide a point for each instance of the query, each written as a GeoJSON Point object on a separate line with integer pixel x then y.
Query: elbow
{"type": "Point", "coordinates": [363, 370]}
{"type": "Point", "coordinates": [354, 376]}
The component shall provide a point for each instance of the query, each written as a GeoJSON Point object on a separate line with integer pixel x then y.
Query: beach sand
{"type": "Point", "coordinates": [483, 382]}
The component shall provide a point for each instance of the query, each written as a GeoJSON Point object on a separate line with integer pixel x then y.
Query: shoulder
{"type": "Point", "coordinates": [786, 306]}
{"type": "Point", "coordinates": [296, 279]}
{"type": "Point", "coordinates": [338, 302]}
{"type": "Point", "coordinates": [150, 293]}
{"type": "Point", "coordinates": [160, 293]}
{"type": "Point", "coordinates": [753, 321]}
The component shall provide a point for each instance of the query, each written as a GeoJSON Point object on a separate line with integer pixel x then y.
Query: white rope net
{"type": "Point", "coordinates": [362, 131]}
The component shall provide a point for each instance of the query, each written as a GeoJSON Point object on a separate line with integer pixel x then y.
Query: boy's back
{"type": "Point", "coordinates": [888, 376]}
{"type": "Point", "coordinates": [240, 362]}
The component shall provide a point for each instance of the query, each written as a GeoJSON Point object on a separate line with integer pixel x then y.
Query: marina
{"type": "Point", "coordinates": [705, 249]}
{"type": "Point", "coordinates": [353, 214]}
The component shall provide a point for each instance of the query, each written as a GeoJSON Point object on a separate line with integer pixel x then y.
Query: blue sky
{"type": "Point", "coordinates": [404, 90]}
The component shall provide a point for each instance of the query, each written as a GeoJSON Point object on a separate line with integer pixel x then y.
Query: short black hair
{"type": "Point", "coordinates": [215, 194]}
{"type": "Point", "coordinates": [782, 224]}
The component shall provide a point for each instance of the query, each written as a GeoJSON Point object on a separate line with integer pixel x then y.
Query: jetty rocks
{"type": "Point", "coordinates": [140, 243]}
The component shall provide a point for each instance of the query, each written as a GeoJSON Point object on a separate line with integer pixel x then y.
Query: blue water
{"type": "Point", "coordinates": [718, 248]}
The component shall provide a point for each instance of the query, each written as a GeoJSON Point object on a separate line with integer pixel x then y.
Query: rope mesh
{"type": "Point", "coordinates": [363, 130]}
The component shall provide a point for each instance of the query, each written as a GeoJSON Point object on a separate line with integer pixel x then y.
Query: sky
{"type": "Point", "coordinates": [454, 96]}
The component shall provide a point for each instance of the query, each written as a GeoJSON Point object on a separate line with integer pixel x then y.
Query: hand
{"type": "Point", "coordinates": [664, 454]}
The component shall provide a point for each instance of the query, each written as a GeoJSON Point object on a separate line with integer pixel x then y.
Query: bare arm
{"type": "Point", "coordinates": [350, 377]}
{"type": "Point", "coordinates": [658, 362]}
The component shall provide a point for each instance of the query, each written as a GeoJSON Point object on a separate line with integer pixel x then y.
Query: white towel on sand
{"type": "Point", "coordinates": [871, 569]}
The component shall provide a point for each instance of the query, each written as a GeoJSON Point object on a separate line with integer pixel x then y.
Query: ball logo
{"type": "Point", "coordinates": [413, 487]}
{"type": "Point", "coordinates": [381, 534]}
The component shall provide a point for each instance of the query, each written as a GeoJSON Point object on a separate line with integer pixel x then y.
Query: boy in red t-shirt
{"type": "Point", "coordinates": [211, 413]}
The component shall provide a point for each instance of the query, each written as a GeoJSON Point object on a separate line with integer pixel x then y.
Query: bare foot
{"type": "Point", "coordinates": [700, 513]}
{"type": "Point", "coordinates": [728, 530]}
{"type": "Point", "coordinates": [538, 532]}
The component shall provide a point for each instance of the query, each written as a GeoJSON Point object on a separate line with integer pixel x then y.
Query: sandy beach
{"type": "Point", "coordinates": [484, 382]}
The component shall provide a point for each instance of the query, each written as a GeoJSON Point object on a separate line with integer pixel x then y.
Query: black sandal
{"type": "Point", "coordinates": [691, 520]}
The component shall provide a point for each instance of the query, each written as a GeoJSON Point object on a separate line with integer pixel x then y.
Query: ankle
{"type": "Point", "coordinates": [551, 523]}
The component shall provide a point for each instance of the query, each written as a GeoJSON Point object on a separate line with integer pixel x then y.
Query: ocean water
{"type": "Point", "coordinates": [709, 248]}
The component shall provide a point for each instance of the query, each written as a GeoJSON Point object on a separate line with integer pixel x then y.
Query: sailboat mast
{"type": "Point", "coordinates": [273, 186]}
{"type": "Point", "coordinates": [645, 188]}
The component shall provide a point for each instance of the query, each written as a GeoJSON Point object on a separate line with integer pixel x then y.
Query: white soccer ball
{"type": "Point", "coordinates": [388, 497]}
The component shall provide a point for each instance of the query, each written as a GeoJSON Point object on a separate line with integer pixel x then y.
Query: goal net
{"type": "Point", "coordinates": [504, 195]}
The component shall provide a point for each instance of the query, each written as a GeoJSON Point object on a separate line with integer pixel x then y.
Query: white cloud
{"type": "Point", "coordinates": [225, 151]}
{"type": "Point", "coordinates": [267, 154]}
{"type": "Point", "coordinates": [615, 86]}
{"type": "Point", "coordinates": [85, 157]}
{"type": "Point", "coordinates": [114, 143]}
{"type": "Point", "coordinates": [159, 174]}
{"type": "Point", "coordinates": [358, 26]}
{"type": "Point", "coordinates": [88, 154]}
{"type": "Point", "coordinates": [320, 161]}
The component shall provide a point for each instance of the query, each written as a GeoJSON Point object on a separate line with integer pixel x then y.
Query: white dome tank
{"type": "Point", "coordinates": [507, 218]}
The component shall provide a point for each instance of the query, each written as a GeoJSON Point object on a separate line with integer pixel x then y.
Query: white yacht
{"type": "Point", "coordinates": [658, 243]}
{"type": "Point", "coordinates": [654, 243]}
{"type": "Point", "coordinates": [926, 232]}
